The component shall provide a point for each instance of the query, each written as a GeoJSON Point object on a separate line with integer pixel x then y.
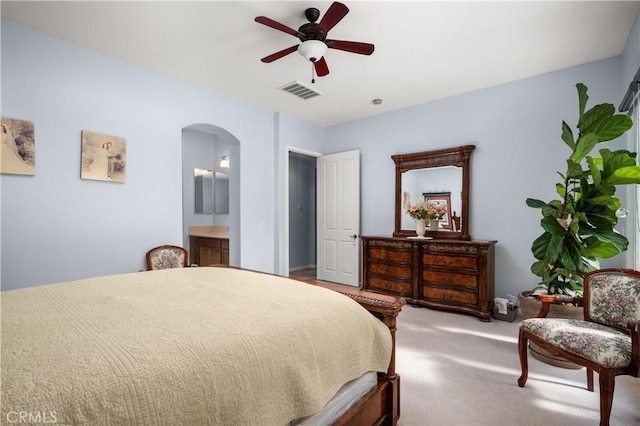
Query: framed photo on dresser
{"type": "Point", "coordinates": [441, 199]}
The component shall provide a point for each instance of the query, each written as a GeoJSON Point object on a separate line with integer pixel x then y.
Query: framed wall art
{"type": "Point", "coordinates": [18, 154]}
{"type": "Point", "coordinates": [443, 199]}
{"type": "Point", "coordinates": [104, 157]}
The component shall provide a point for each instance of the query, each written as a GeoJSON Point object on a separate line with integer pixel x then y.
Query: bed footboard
{"type": "Point", "coordinates": [382, 404]}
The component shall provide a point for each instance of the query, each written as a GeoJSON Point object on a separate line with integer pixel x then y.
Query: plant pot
{"type": "Point", "coordinates": [530, 308]}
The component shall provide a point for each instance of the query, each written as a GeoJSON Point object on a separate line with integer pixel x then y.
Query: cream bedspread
{"type": "Point", "coordinates": [182, 346]}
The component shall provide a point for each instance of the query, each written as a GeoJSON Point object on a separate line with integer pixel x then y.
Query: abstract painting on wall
{"type": "Point", "coordinates": [18, 154]}
{"type": "Point", "coordinates": [104, 157]}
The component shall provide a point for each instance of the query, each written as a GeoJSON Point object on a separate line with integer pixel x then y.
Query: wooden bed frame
{"type": "Point", "coordinates": [382, 404]}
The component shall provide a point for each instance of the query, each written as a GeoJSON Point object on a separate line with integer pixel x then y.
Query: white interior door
{"type": "Point", "coordinates": [338, 218]}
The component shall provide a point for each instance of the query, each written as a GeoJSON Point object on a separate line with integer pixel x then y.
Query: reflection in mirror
{"type": "Point", "coordinates": [211, 191]}
{"type": "Point", "coordinates": [221, 192]}
{"type": "Point", "coordinates": [440, 176]}
{"type": "Point", "coordinates": [203, 184]}
{"type": "Point", "coordinates": [438, 180]}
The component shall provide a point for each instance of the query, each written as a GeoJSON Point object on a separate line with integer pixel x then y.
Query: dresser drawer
{"type": "Point", "coordinates": [462, 262]}
{"type": "Point", "coordinates": [450, 295]}
{"type": "Point", "coordinates": [450, 278]}
{"type": "Point", "coordinates": [385, 285]}
{"type": "Point", "coordinates": [390, 254]}
{"type": "Point", "coordinates": [391, 270]}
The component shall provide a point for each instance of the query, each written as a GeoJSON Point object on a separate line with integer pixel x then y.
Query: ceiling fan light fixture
{"type": "Point", "coordinates": [312, 50]}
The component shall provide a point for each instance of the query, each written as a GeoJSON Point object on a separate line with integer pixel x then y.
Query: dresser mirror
{"type": "Point", "coordinates": [441, 176]}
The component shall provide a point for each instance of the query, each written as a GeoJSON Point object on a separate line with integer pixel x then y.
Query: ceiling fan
{"type": "Point", "coordinates": [314, 37]}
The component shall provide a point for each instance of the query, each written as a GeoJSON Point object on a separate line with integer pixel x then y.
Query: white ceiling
{"type": "Point", "coordinates": [425, 50]}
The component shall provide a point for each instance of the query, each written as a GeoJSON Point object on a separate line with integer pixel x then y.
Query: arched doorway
{"type": "Point", "coordinates": [203, 147]}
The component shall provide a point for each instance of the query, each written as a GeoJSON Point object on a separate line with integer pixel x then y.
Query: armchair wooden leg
{"type": "Point", "coordinates": [590, 379]}
{"type": "Point", "coordinates": [607, 386]}
{"type": "Point", "coordinates": [522, 352]}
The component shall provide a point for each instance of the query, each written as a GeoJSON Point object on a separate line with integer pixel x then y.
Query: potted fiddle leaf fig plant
{"type": "Point", "coordinates": [579, 226]}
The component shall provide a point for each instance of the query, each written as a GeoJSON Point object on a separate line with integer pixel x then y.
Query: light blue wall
{"type": "Point", "coordinates": [516, 128]}
{"type": "Point", "coordinates": [57, 227]}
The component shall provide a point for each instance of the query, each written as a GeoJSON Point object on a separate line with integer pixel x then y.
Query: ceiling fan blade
{"type": "Point", "coordinates": [280, 54]}
{"type": "Point", "coordinates": [322, 68]}
{"type": "Point", "coordinates": [351, 46]}
{"type": "Point", "coordinates": [332, 16]}
{"type": "Point", "coordinates": [278, 26]}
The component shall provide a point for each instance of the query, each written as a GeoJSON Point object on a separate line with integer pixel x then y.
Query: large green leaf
{"type": "Point", "coordinates": [612, 236]}
{"type": "Point", "coordinates": [600, 249]}
{"type": "Point", "coordinates": [552, 208]}
{"type": "Point", "coordinates": [584, 191]}
{"type": "Point", "coordinates": [567, 136]}
{"type": "Point", "coordinates": [605, 190]}
{"type": "Point", "coordinates": [547, 247]}
{"type": "Point", "coordinates": [540, 268]}
{"type": "Point", "coordinates": [535, 203]}
{"type": "Point", "coordinates": [595, 171]}
{"type": "Point", "coordinates": [574, 170]}
{"type": "Point", "coordinates": [603, 200]}
{"type": "Point", "coordinates": [612, 127]}
{"type": "Point", "coordinates": [584, 146]}
{"type": "Point", "coordinates": [551, 225]}
{"type": "Point", "coordinates": [595, 115]}
{"type": "Point", "coordinates": [582, 99]}
{"type": "Point", "coordinates": [570, 257]}
{"type": "Point", "coordinates": [623, 176]}
{"type": "Point", "coordinates": [612, 161]}
{"type": "Point", "coordinates": [599, 216]}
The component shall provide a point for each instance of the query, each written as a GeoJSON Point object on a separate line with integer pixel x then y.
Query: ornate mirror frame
{"type": "Point", "coordinates": [457, 156]}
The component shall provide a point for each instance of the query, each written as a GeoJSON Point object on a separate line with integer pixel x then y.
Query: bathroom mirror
{"type": "Point", "coordinates": [211, 191]}
{"type": "Point", "coordinates": [440, 176]}
{"type": "Point", "coordinates": [221, 191]}
{"type": "Point", "coordinates": [203, 184]}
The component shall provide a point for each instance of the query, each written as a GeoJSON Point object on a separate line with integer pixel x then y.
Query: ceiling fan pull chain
{"type": "Point", "coordinates": [313, 77]}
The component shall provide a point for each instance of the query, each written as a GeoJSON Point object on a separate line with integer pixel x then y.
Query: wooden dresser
{"type": "Point", "coordinates": [453, 275]}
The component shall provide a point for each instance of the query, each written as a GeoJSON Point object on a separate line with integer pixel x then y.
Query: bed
{"type": "Point", "coordinates": [198, 346]}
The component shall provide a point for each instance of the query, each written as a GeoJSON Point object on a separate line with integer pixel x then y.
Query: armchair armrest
{"type": "Point", "coordinates": [548, 299]}
{"type": "Point", "coordinates": [634, 329]}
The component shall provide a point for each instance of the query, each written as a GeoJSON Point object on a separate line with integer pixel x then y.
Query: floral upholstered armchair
{"type": "Point", "coordinates": [166, 257]}
{"type": "Point", "coordinates": [606, 341]}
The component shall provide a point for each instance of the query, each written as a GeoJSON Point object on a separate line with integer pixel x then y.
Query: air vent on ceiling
{"type": "Point", "coordinates": [300, 90]}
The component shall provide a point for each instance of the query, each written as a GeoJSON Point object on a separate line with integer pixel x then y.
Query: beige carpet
{"type": "Point", "coordinates": [456, 370]}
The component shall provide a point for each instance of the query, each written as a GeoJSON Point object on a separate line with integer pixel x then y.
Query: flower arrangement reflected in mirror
{"type": "Point", "coordinates": [426, 211]}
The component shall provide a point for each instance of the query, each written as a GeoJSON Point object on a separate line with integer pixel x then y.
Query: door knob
{"type": "Point", "coordinates": [354, 236]}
